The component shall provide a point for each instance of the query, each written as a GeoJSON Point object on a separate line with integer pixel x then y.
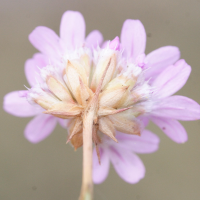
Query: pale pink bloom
{"type": "Point", "coordinates": [134, 87]}
{"type": "Point", "coordinates": [122, 155]}
{"type": "Point", "coordinates": [167, 75]}
{"type": "Point", "coordinates": [52, 48]}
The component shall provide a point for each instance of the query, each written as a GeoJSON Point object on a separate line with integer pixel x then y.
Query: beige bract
{"type": "Point", "coordinates": [118, 86]}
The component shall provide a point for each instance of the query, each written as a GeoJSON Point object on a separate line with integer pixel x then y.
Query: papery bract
{"type": "Point", "coordinates": [67, 91]}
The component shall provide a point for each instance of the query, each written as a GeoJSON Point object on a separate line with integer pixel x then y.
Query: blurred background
{"type": "Point", "coordinates": [51, 169]}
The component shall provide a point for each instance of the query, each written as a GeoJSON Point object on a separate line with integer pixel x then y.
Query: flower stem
{"type": "Point", "coordinates": [87, 183]}
{"type": "Point", "coordinates": [89, 117]}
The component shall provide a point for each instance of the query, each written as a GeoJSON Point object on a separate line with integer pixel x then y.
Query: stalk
{"type": "Point", "coordinates": [89, 117]}
{"type": "Point", "coordinates": [87, 183]}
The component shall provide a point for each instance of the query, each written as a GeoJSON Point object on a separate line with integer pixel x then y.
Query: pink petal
{"type": "Point", "coordinates": [105, 44]}
{"type": "Point", "coordinates": [72, 29]}
{"type": "Point", "coordinates": [177, 107]}
{"type": "Point", "coordinates": [63, 122]}
{"type": "Point", "coordinates": [172, 128]}
{"type": "Point", "coordinates": [148, 142]}
{"type": "Point", "coordinates": [46, 41]}
{"type": "Point", "coordinates": [133, 38]}
{"type": "Point", "coordinates": [31, 67]}
{"type": "Point", "coordinates": [172, 79]}
{"type": "Point", "coordinates": [115, 44]}
{"type": "Point", "coordinates": [159, 59]}
{"type": "Point", "coordinates": [128, 165]}
{"type": "Point", "coordinates": [100, 172]}
{"type": "Point", "coordinates": [94, 39]}
{"type": "Point", "coordinates": [19, 106]}
{"type": "Point", "coordinates": [40, 127]}
{"type": "Point", "coordinates": [144, 119]}
{"type": "Point", "coordinates": [141, 60]}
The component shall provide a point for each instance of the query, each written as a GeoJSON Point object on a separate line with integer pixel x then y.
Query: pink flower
{"type": "Point", "coordinates": [122, 155]}
{"type": "Point", "coordinates": [52, 48]}
{"type": "Point", "coordinates": [167, 75]}
{"type": "Point", "coordinates": [118, 85]}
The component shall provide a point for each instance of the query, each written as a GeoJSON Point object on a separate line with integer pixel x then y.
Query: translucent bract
{"type": "Point", "coordinates": [66, 91]}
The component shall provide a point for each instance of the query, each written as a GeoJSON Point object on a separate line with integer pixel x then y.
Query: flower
{"type": "Point", "coordinates": [52, 48]}
{"type": "Point", "coordinates": [122, 155]}
{"type": "Point", "coordinates": [104, 93]}
{"type": "Point", "coordinates": [100, 93]}
{"type": "Point", "coordinates": [167, 75]}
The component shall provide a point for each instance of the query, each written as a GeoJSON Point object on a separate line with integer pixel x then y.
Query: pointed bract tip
{"type": "Point", "coordinates": [114, 139]}
{"type": "Point", "coordinates": [138, 133]}
{"type": "Point", "coordinates": [68, 140]}
{"type": "Point", "coordinates": [115, 44]}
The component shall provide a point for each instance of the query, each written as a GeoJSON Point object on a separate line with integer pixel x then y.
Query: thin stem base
{"type": "Point", "coordinates": [87, 183]}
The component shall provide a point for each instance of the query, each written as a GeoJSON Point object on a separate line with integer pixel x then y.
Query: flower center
{"type": "Point", "coordinates": [66, 92]}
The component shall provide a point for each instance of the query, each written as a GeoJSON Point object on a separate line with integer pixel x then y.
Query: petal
{"type": "Point", "coordinates": [128, 165]}
{"type": "Point", "coordinates": [94, 39]}
{"type": "Point", "coordinates": [63, 122]}
{"type": "Point", "coordinates": [19, 106]}
{"type": "Point", "coordinates": [72, 29]}
{"type": "Point", "coordinates": [172, 128]}
{"type": "Point", "coordinates": [148, 142]}
{"type": "Point", "coordinates": [115, 44]}
{"type": "Point", "coordinates": [172, 79]}
{"type": "Point", "coordinates": [32, 67]}
{"type": "Point", "coordinates": [133, 38]}
{"type": "Point", "coordinates": [177, 107]}
{"type": "Point", "coordinates": [100, 171]}
{"type": "Point", "coordinates": [144, 119]}
{"type": "Point", "coordinates": [46, 41]}
{"type": "Point", "coordinates": [39, 128]}
{"type": "Point", "coordinates": [105, 44]}
{"type": "Point", "coordinates": [159, 59]}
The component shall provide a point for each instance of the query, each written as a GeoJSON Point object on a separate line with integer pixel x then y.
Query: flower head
{"type": "Point", "coordinates": [102, 77]}
{"type": "Point", "coordinates": [103, 94]}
